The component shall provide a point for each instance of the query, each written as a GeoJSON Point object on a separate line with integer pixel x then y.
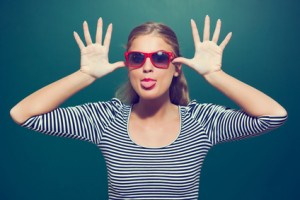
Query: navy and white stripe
{"type": "Point", "coordinates": [136, 172]}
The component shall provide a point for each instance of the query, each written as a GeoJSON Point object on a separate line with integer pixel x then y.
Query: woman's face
{"type": "Point", "coordinates": [148, 81]}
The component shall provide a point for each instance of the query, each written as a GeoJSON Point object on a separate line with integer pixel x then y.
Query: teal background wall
{"type": "Point", "coordinates": [37, 48]}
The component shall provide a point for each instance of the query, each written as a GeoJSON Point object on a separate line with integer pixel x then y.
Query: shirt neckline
{"type": "Point", "coordinates": [162, 147]}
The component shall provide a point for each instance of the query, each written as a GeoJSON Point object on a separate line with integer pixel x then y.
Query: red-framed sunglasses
{"type": "Point", "coordinates": [159, 59]}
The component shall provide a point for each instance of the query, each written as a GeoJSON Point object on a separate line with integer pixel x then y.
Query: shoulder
{"type": "Point", "coordinates": [112, 106]}
{"type": "Point", "coordinates": [195, 105]}
{"type": "Point", "coordinates": [196, 109]}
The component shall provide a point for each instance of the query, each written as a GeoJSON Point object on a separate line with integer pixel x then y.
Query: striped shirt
{"type": "Point", "coordinates": [137, 172]}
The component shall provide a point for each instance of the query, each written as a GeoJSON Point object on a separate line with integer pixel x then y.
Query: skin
{"type": "Point", "coordinates": [154, 120]}
{"type": "Point", "coordinates": [154, 111]}
{"type": "Point", "coordinates": [151, 43]}
{"type": "Point", "coordinates": [207, 61]}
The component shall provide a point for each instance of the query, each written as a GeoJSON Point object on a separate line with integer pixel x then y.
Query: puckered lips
{"type": "Point", "coordinates": [148, 83]}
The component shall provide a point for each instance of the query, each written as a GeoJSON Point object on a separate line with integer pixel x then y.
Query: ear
{"type": "Point", "coordinates": [177, 70]}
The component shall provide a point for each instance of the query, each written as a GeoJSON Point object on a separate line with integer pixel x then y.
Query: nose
{"type": "Point", "coordinates": [148, 66]}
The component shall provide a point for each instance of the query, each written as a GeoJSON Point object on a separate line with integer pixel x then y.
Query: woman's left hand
{"type": "Point", "coordinates": [208, 54]}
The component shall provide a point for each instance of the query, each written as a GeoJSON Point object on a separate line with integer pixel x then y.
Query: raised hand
{"type": "Point", "coordinates": [94, 56]}
{"type": "Point", "coordinates": [208, 54]}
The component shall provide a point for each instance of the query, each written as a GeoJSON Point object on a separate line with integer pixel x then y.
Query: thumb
{"type": "Point", "coordinates": [119, 64]}
{"type": "Point", "coordinates": [181, 60]}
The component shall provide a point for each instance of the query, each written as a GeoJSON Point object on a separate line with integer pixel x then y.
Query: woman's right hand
{"type": "Point", "coordinates": [94, 56]}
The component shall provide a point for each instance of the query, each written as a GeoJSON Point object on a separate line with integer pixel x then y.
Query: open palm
{"type": "Point", "coordinates": [94, 56]}
{"type": "Point", "coordinates": [208, 54]}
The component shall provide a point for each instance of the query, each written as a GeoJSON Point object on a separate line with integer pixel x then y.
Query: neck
{"type": "Point", "coordinates": [153, 108]}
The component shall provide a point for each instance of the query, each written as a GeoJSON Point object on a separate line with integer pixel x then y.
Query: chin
{"type": "Point", "coordinates": [153, 96]}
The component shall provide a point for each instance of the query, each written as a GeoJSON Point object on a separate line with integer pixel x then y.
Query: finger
{"type": "Point", "coordinates": [195, 32]}
{"type": "Point", "coordinates": [99, 31]}
{"type": "Point", "coordinates": [108, 36]}
{"type": "Point", "coordinates": [217, 31]}
{"type": "Point", "coordinates": [78, 40]}
{"type": "Point", "coordinates": [225, 41]}
{"type": "Point", "coordinates": [206, 30]}
{"type": "Point", "coordinates": [182, 60]}
{"type": "Point", "coordinates": [86, 32]}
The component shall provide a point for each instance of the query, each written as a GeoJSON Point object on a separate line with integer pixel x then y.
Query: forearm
{"type": "Point", "coordinates": [50, 97]}
{"type": "Point", "coordinates": [251, 100]}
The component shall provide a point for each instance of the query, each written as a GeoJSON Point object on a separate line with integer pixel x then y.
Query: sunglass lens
{"type": "Point", "coordinates": [161, 59]}
{"type": "Point", "coordinates": [135, 59]}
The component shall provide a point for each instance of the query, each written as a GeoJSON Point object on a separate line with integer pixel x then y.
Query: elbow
{"type": "Point", "coordinates": [276, 111]}
{"type": "Point", "coordinates": [284, 113]}
{"type": "Point", "coordinates": [17, 116]}
{"type": "Point", "coordinates": [281, 112]}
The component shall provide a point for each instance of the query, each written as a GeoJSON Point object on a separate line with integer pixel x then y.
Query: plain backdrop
{"type": "Point", "coordinates": [37, 48]}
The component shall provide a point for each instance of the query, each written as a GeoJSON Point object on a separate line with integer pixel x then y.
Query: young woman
{"type": "Point", "coordinates": [153, 138]}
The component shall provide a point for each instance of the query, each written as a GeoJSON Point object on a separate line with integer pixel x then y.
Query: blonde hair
{"type": "Point", "coordinates": [179, 94]}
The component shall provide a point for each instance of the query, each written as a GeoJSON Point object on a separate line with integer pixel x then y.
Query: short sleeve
{"type": "Point", "coordinates": [224, 124]}
{"type": "Point", "coordinates": [85, 122]}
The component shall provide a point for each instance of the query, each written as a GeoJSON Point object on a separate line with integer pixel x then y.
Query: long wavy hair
{"type": "Point", "coordinates": [178, 90]}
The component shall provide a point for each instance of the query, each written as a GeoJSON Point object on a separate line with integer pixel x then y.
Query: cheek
{"type": "Point", "coordinates": [133, 78]}
{"type": "Point", "coordinates": [171, 72]}
{"type": "Point", "coordinates": [132, 75]}
{"type": "Point", "coordinates": [167, 77]}
{"type": "Point", "coordinates": [167, 80]}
